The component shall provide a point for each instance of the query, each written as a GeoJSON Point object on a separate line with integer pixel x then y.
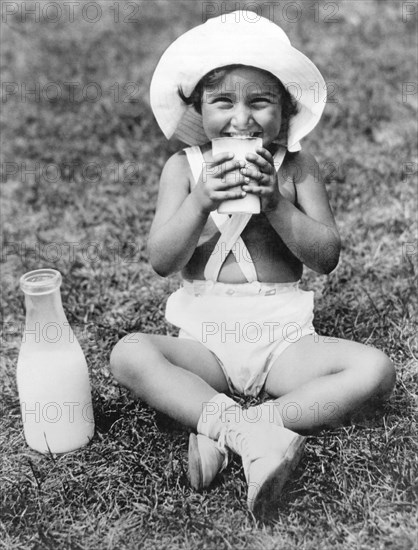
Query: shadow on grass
{"type": "Point", "coordinates": [109, 413]}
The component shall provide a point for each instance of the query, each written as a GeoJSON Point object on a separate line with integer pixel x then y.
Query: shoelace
{"type": "Point", "coordinates": [231, 436]}
{"type": "Point", "coordinates": [225, 453]}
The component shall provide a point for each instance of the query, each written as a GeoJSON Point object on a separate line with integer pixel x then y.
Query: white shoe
{"type": "Point", "coordinates": [206, 459]}
{"type": "Point", "coordinates": [269, 454]}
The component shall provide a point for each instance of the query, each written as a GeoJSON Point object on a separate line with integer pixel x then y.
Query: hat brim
{"type": "Point", "coordinates": [214, 44]}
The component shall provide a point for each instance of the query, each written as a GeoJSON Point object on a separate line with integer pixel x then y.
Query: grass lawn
{"type": "Point", "coordinates": [81, 158]}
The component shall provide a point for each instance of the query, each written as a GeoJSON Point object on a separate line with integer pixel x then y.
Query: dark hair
{"type": "Point", "coordinates": [215, 77]}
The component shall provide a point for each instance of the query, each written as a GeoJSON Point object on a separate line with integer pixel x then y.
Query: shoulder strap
{"type": "Point", "coordinates": [279, 157]}
{"type": "Point", "coordinates": [195, 158]}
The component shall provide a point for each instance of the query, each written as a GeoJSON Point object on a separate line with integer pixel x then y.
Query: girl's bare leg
{"type": "Point", "coordinates": [175, 376]}
{"type": "Point", "coordinates": [318, 381]}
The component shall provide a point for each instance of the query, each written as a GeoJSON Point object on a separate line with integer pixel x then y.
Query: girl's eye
{"type": "Point", "coordinates": [222, 100]}
{"type": "Point", "coordinates": [259, 100]}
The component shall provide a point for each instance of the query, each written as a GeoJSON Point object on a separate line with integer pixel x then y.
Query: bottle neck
{"type": "Point", "coordinates": [46, 324]}
{"type": "Point", "coordinates": [44, 308]}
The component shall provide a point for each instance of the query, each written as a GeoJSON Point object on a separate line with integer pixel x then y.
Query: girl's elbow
{"type": "Point", "coordinates": [329, 267]}
{"type": "Point", "coordinates": [159, 270]}
{"type": "Point", "coordinates": [330, 258]}
{"type": "Point", "coordinates": [156, 261]}
{"type": "Point", "coordinates": [159, 266]}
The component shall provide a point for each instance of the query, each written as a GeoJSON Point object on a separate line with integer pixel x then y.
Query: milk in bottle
{"type": "Point", "coordinates": [52, 375]}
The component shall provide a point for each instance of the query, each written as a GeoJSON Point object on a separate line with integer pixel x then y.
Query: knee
{"type": "Point", "coordinates": [119, 360]}
{"type": "Point", "coordinates": [382, 374]}
{"type": "Point", "coordinates": [126, 357]}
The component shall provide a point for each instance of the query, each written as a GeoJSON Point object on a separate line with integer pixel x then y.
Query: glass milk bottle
{"type": "Point", "coordinates": [52, 375]}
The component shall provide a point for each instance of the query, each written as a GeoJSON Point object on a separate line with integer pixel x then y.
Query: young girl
{"type": "Point", "coordinates": [245, 325]}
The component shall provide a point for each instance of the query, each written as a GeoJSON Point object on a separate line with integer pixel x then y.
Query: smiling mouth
{"type": "Point", "coordinates": [242, 135]}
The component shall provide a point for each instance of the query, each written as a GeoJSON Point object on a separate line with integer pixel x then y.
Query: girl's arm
{"type": "Point", "coordinates": [308, 229]}
{"type": "Point", "coordinates": [181, 215]}
{"type": "Point", "coordinates": [178, 220]}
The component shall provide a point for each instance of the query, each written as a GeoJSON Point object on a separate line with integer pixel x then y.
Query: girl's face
{"type": "Point", "coordinates": [246, 102]}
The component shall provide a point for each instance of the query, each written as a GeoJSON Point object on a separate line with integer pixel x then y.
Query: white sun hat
{"type": "Point", "coordinates": [234, 38]}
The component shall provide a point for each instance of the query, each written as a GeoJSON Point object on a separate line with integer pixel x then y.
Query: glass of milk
{"type": "Point", "coordinates": [240, 146]}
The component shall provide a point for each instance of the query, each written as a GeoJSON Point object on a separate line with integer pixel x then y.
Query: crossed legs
{"type": "Point", "coordinates": [315, 382]}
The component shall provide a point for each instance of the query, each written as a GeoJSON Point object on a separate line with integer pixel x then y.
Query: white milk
{"type": "Point", "coordinates": [55, 401]}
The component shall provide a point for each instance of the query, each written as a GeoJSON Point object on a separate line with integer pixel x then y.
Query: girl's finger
{"type": "Point", "coordinates": [222, 157]}
{"type": "Point", "coordinates": [227, 195]}
{"type": "Point", "coordinates": [262, 163]}
{"type": "Point", "coordinates": [219, 171]}
{"type": "Point", "coordinates": [252, 173]}
{"type": "Point", "coordinates": [265, 153]}
{"type": "Point", "coordinates": [256, 189]}
{"type": "Point", "coordinates": [229, 181]}
{"type": "Point", "coordinates": [232, 165]}
{"type": "Point", "coordinates": [222, 170]}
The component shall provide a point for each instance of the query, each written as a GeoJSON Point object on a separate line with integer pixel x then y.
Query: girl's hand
{"type": "Point", "coordinates": [219, 180]}
{"type": "Point", "coordinates": [261, 179]}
